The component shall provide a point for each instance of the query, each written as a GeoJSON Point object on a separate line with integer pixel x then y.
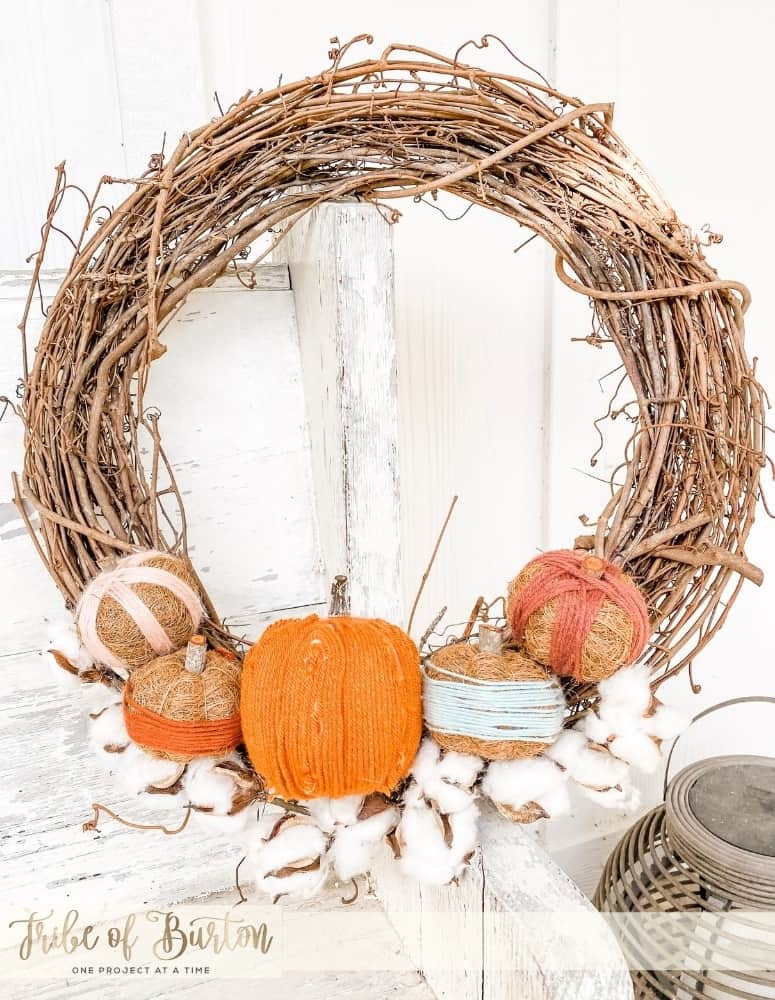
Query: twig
{"type": "Point", "coordinates": [429, 567]}
{"type": "Point", "coordinates": [91, 824]}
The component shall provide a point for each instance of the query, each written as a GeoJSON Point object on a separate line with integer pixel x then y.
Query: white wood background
{"type": "Point", "coordinates": [495, 403]}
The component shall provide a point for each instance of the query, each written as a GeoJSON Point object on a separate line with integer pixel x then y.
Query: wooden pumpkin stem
{"type": "Point", "coordinates": [593, 565]}
{"type": "Point", "coordinates": [490, 639]}
{"type": "Point", "coordinates": [340, 597]}
{"type": "Point", "coordinates": [196, 654]}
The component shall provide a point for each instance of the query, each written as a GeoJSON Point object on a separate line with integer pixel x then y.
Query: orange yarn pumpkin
{"type": "Point", "coordinates": [578, 614]}
{"type": "Point", "coordinates": [331, 706]}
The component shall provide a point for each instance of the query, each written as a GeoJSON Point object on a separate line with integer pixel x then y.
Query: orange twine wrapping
{"type": "Point", "coordinates": [332, 707]}
{"type": "Point", "coordinates": [200, 738]}
{"type": "Point", "coordinates": [578, 595]}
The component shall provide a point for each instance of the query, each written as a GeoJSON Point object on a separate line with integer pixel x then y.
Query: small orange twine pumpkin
{"type": "Point", "coordinates": [332, 706]}
{"type": "Point", "coordinates": [577, 614]}
{"type": "Point", "coordinates": [185, 705]}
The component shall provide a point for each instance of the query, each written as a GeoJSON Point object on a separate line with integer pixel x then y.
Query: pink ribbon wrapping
{"type": "Point", "coordinates": [116, 583]}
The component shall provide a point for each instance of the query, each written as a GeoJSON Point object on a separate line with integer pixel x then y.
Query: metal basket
{"type": "Point", "coordinates": [691, 886]}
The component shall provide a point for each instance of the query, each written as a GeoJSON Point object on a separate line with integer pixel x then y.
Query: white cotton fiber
{"type": "Point", "coordinates": [445, 778]}
{"type": "Point", "coordinates": [594, 728]}
{"type": "Point", "coordinates": [108, 729]}
{"type": "Point", "coordinates": [598, 768]}
{"type": "Point", "coordinates": [556, 801]}
{"type": "Point", "coordinates": [330, 813]}
{"type": "Point", "coordinates": [667, 722]}
{"type": "Point", "coordinates": [67, 642]}
{"type": "Point", "coordinates": [354, 847]}
{"type": "Point", "coordinates": [619, 719]}
{"type": "Point", "coordinates": [585, 762]}
{"type": "Point", "coordinates": [625, 797]}
{"type": "Point", "coordinates": [267, 817]}
{"type": "Point", "coordinates": [459, 768]}
{"type": "Point", "coordinates": [424, 765]}
{"type": "Point", "coordinates": [209, 788]}
{"type": "Point", "coordinates": [425, 854]}
{"type": "Point", "coordinates": [465, 835]}
{"type": "Point", "coordinates": [566, 748]}
{"type": "Point", "coordinates": [516, 782]}
{"type": "Point", "coordinates": [137, 770]}
{"type": "Point", "coordinates": [294, 844]}
{"type": "Point", "coordinates": [638, 750]}
{"type": "Point", "coordinates": [628, 688]}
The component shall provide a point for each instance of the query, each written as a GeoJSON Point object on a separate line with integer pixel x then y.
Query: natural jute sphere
{"type": "Point", "coordinates": [577, 614]}
{"type": "Point", "coordinates": [332, 706]}
{"type": "Point", "coordinates": [176, 714]}
{"type": "Point", "coordinates": [144, 607]}
{"type": "Point", "coordinates": [508, 667]}
{"type": "Point", "coordinates": [406, 124]}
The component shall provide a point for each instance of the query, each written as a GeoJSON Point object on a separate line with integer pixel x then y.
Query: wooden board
{"type": "Point", "coordinates": [240, 450]}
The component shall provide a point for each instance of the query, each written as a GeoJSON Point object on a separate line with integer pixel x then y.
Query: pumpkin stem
{"type": "Point", "coordinates": [196, 654]}
{"type": "Point", "coordinates": [340, 597]}
{"type": "Point", "coordinates": [490, 639]}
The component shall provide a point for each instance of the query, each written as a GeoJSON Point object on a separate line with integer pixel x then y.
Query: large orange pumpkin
{"type": "Point", "coordinates": [331, 706]}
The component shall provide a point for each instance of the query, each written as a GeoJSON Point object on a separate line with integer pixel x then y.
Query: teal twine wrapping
{"type": "Point", "coordinates": [530, 711]}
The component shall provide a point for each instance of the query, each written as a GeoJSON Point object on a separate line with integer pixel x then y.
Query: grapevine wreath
{"type": "Point", "coordinates": [344, 735]}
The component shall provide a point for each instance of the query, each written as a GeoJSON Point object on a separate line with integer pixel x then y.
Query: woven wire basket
{"type": "Point", "coordinates": [691, 886]}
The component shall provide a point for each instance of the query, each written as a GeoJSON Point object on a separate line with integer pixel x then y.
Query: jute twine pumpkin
{"type": "Point", "coordinates": [147, 606]}
{"type": "Point", "coordinates": [507, 694]}
{"type": "Point", "coordinates": [332, 706]}
{"type": "Point", "coordinates": [185, 705]}
{"type": "Point", "coordinates": [578, 614]}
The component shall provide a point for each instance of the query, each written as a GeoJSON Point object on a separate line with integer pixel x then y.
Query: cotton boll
{"type": "Point", "coordinates": [107, 730]}
{"type": "Point", "coordinates": [465, 835]}
{"type": "Point", "coordinates": [330, 813]}
{"type": "Point", "coordinates": [354, 847]}
{"type": "Point", "coordinates": [423, 768]}
{"type": "Point", "coordinates": [445, 778]}
{"type": "Point", "coordinates": [435, 850]}
{"type": "Point", "coordinates": [138, 770]}
{"type": "Point", "coordinates": [515, 782]}
{"type": "Point", "coordinates": [566, 748]}
{"type": "Point", "coordinates": [667, 722]}
{"type": "Point", "coordinates": [628, 689]}
{"type": "Point", "coordinates": [320, 810]}
{"type": "Point", "coordinates": [594, 728]}
{"type": "Point", "coordinates": [413, 795]}
{"type": "Point", "coordinates": [556, 801]}
{"type": "Point", "coordinates": [345, 810]}
{"type": "Point", "coordinates": [459, 768]}
{"type": "Point", "coordinates": [98, 696]}
{"type": "Point", "coordinates": [449, 798]}
{"type": "Point", "coordinates": [637, 749]}
{"type": "Point", "coordinates": [598, 768]}
{"type": "Point", "coordinates": [293, 861]}
{"type": "Point", "coordinates": [587, 763]}
{"type": "Point", "coordinates": [68, 643]}
{"type": "Point", "coordinates": [65, 679]}
{"type": "Point", "coordinates": [424, 855]}
{"type": "Point", "coordinates": [209, 788]}
{"type": "Point", "coordinates": [266, 818]}
{"type": "Point", "coordinates": [625, 797]}
{"type": "Point", "coordinates": [619, 719]}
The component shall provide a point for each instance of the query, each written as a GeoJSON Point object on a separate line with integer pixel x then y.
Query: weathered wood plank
{"type": "Point", "coordinates": [341, 264]}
